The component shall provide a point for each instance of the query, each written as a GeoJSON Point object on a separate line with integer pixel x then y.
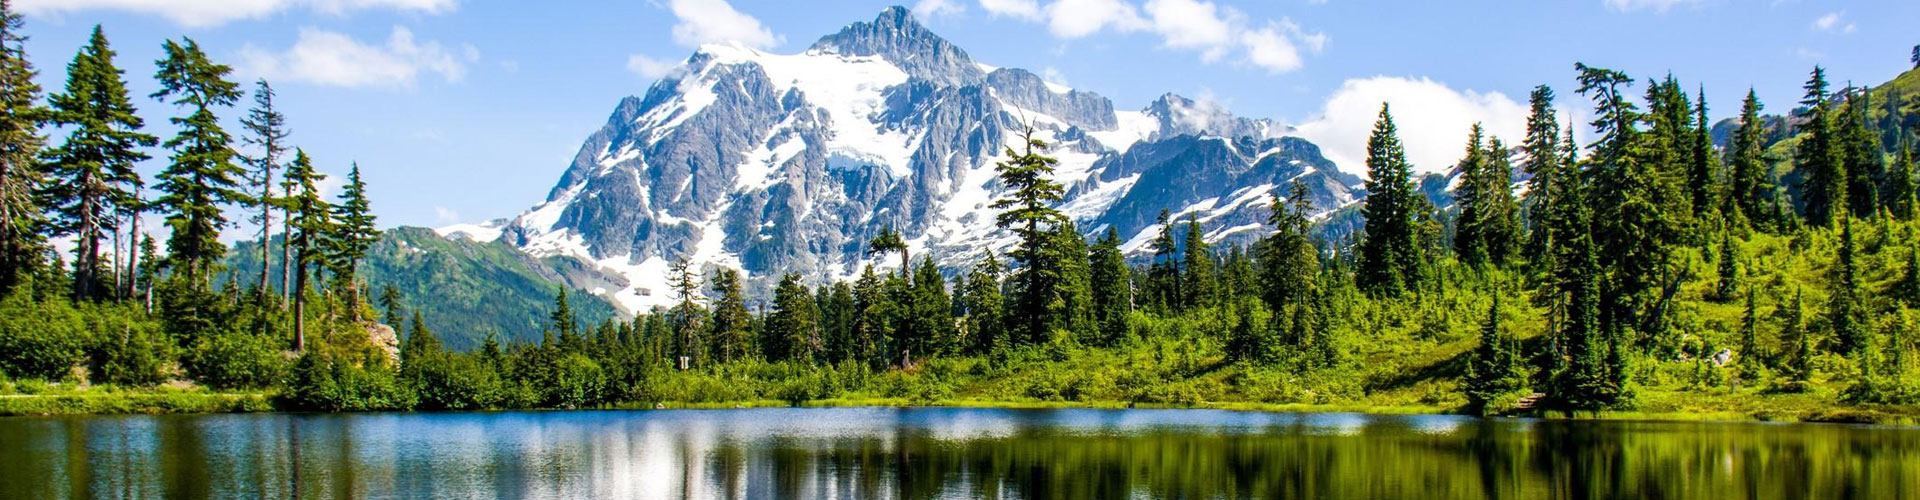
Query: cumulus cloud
{"type": "Point", "coordinates": [716, 21]}
{"type": "Point", "coordinates": [1653, 5]}
{"type": "Point", "coordinates": [206, 13]}
{"type": "Point", "coordinates": [328, 58]}
{"type": "Point", "coordinates": [446, 215]}
{"type": "Point", "coordinates": [1216, 32]}
{"type": "Point", "coordinates": [1833, 22]}
{"type": "Point", "coordinates": [1053, 75]}
{"type": "Point", "coordinates": [1432, 118]}
{"type": "Point", "coordinates": [649, 67]}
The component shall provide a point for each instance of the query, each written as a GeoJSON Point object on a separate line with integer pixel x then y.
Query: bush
{"type": "Point", "coordinates": [40, 339]}
{"type": "Point", "coordinates": [451, 381]}
{"type": "Point", "coordinates": [234, 360]}
{"type": "Point", "coordinates": [127, 351]}
{"type": "Point", "coordinates": [325, 385]}
{"type": "Point", "coordinates": [577, 382]}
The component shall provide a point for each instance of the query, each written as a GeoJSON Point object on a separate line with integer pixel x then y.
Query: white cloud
{"type": "Point", "coordinates": [715, 21]}
{"type": "Point", "coordinates": [1019, 9]}
{"type": "Point", "coordinates": [1432, 119]}
{"type": "Point", "coordinates": [649, 67]}
{"type": "Point", "coordinates": [206, 13]}
{"type": "Point", "coordinates": [1215, 31]}
{"type": "Point", "coordinates": [1834, 22]}
{"type": "Point", "coordinates": [929, 9]}
{"type": "Point", "coordinates": [1079, 18]}
{"type": "Point", "coordinates": [1653, 5]}
{"type": "Point", "coordinates": [327, 58]}
{"type": "Point", "coordinates": [446, 215]}
{"type": "Point", "coordinates": [1053, 75]}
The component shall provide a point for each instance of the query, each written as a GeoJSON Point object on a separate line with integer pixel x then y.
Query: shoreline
{"type": "Point", "coordinates": [186, 402]}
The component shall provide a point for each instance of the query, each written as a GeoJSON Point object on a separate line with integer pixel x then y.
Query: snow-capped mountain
{"type": "Point", "coordinates": [774, 163]}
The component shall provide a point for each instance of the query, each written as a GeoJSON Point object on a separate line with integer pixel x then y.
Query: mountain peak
{"type": "Point", "coordinates": [896, 36]}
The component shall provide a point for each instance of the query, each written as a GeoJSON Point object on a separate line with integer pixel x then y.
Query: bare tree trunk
{"type": "Point", "coordinates": [286, 249]}
{"type": "Point", "coordinates": [300, 309]}
{"type": "Point", "coordinates": [133, 254]}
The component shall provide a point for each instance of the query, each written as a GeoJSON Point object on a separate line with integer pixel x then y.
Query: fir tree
{"type": "Point", "coordinates": [687, 322]}
{"type": "Point", "coordinates": [1750, 331]}
{"type": "Point", "coordinates": [1469, 240]}
{"type": "Point", "coordinates": [311, 219]}
{"type": "Point", "coordinates": [1390, 253]}
{"type": "Point", "coordinates": [1729, 268]}
{"type": "Point", "coordinates": [793, 322]}
{"type": "Point", "coordinates": [267, 131]}
{"type": "Point", "coordinates": [984, 307]}
{"type": "Point", "coordinates": [21, 172]}
{"type": "Point", "coordinates": [1199, 280]}
{"type": "Point", "coordinates": [92, 171]}
{"type": "Point", "coordinates": [931, 315]}
{"type": "Point", "coordinates": [732, 339]}
{"type": "Point", "coordinates": [1028, 211]}
{"type": "Point", "coordinates": [1288, 260]}
{"type": "Point", "coordinates": [351, 235]}
{"type": "Point", "coordinates": [1824, 185]}
{"type": "Point", "coordinates": [1900, 188]}
{"type": "Point", "coordinates": [1500, 225]}
{"type": "Point", "coordinates": [1848, 333]}
{"type": "Point", "coordinates": [1163, 276]}
{"type": "Point", "coordinates": [871, 325]}
{"type": "Point", "coordinates": [1860, 150]}
{"type": "Point", "coordinates": [1800, 366]}
{"type": "Point", "coordinates": [889, 241]}
{"type": "Point", "coordinates": [1542, 165]}
{"type": "Point", "coordinates": [1495, 368]}
{"type": "Point", "coordinates": [837, 311]}
{"type": "Point", "coordinates": [1112, 287]}
{"type": "Point", "coordinates": [201, 176]}
{"type": "Point", "coordinates": [1750, 186]}
{"type": "Point", "coordinates": [1702, 181]}
{"type": "Point", "coordinates": [390, 300]}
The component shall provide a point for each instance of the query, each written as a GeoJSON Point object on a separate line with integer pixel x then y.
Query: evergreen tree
{"type": "Point", "coordinates": [266, 130]}
{"type": "Point", "coordinates": [871, 325]}
{"type": "Point", "coordinates": [1072, 307]}
{"type": "Point", "coordinates": [21, 173]}
{"type": "Point", "coordinates": [390, 300]}
{"type": "Point", "coordinates": [1112, 288]}
{"type": "Point", "coordinates": [1900, 188]}
{"type": "Point", "coordinates": [1702, 181]}
{"type": "Point", "coordinates": [837, 312]}
{"type": "Point", "coordinates": [351, 235]}
{"type": "Point", "coordinates": [687, 321]}
{"type": "Point", "coordinates": [1635, 209]}
{"type": "Point", "coordinates": [793, 322]}
{"type": "Point", "coordinates": [1500, 225]}
{"type": "Point", "coordinates": [931, 315]}
{"type": "Point", "coordinates": [1860, 150]}
{"type": "Point", "coordinates": [1750, 331]}
{"type": "Point", "coordinates": [1495, 368]}
{"type": "Point", "coordinates": [1163, 277]}
{"type": "Point", "coordinates": [1729, 268]}
{"type": "Point", "coordinates": [732, 339]}
{"type": "Point", "coordinates": [312, 220]}
{"type": "Point", "coordinates": [1390, 255]}
{"type": "Point", "coordinates": [1848, 333]}
{"type": "Point", "coordinates": [1200, 281]}
{"type": "Point", "coordinates": [889, 241]}
{"type": "Point", "coordinates": [984, 307]}
{"type": "Point", "coordinates": [1469, 240]}
{"type": "Point", "coordinates": [1750, 185]}
{"type": "Point", "coordinates": [1800, 366]}
{"type": "Point", "coordinates": [1543, 159]}
{"type": "Point", "coordinates": [92, 171]}
{"type": "Point", "coordinates": [1824, 186]}
{"type": "Point", "coordinates": [1288, 260]}
{"type": "Point", "coordinates": [1028, 211]}
{"type": "Point", "coordinates": [201, 176]}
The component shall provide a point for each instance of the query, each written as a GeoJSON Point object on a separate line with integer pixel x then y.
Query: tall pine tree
{"type": "Point", "coordinates": [1112, 287]}
{"type": "Point", "coordinates": [21, 173]}
{"type": "Point", "coordinates": [1750, 186]}
{"type": "Point", "coordinates": [1823, 186]}
{"type": "Point", "coordinates": [1028, 211]}
{"type": "Point", "coordinates": [266, 131]}
{"type": "Point", "coordinates": [351, 235]}
{"type": "Point", "coordinates": [1390, 253]}
{"type": "Point", "coordinates": [732, 338]}
{"type": "Point", "coordinates": [201, 176]}
{"type": "Point", "coordinates": [92, 172]}
{"type": "Point", "coordinates": [311, 219]}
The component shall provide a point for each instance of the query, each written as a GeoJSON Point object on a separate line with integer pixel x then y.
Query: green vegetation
{"type": "Point", "coordinates": [1658, 276]}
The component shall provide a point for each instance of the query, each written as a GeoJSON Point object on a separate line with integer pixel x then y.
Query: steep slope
{"type": "Point", "coordinates": [775, 163]}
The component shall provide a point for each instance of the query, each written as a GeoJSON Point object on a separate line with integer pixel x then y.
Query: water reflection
{"type": "Point", "coordinates": [941, 453]}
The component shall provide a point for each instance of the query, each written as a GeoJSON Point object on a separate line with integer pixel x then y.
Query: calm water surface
{"type": "Point", "coordinates": [941, 453]}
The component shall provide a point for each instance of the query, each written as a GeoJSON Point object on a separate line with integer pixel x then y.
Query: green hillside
{"type": "Point", "coordinates": [463, 288]}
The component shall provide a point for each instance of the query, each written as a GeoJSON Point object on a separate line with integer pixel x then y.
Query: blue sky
{"type": "Point", "coordinates": [461, 111]}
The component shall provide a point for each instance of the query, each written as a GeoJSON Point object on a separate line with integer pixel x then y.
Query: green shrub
{"type": "Point", "coordinates": [40, 339]}
{"type": "Point", "coordinates": [234, 360]}
{"type": "Point", "coordinates": [126, 351]}
{"type": "Point", "coordinates": [325, 385]}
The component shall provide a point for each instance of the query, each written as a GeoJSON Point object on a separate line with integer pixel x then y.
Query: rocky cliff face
{"type": "Point", "coordinates": [775, 163]}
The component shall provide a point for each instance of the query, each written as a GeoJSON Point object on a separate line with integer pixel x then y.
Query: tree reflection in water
{"type": "Point", "coordinates": [943, 453]}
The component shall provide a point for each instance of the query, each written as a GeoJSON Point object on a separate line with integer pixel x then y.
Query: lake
{"type": "Point", "coordinates": [941, 453]}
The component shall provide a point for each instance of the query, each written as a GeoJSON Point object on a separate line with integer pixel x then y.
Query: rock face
{"type": "Point", "coordinates": [775, 163]}
{"type": "Point", "coordinates": [386, 339]}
